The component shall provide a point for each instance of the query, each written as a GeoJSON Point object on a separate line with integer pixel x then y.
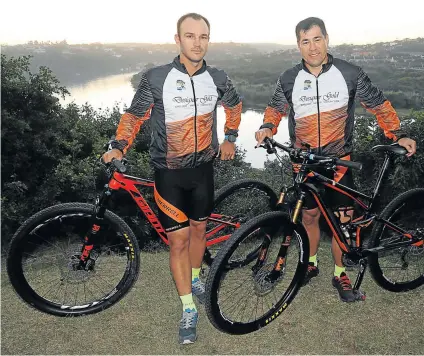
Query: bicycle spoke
{"type": "Point", "coordinates": [238, 298]}
{"type": "Point", "coordinates": [42, 238]}
{"type": "Point", "coordinates": [53, 283]}
{"type": "Point", "coordinates": [403, 265]}
{"type": "Point", "coordinates": [50, 254]}
{"type": "Point", "coordinates": [44, 263]}
{"type": "Point", "coordinates": [76, 295]}
{"type": "Point", "coordinates": [108, 283]}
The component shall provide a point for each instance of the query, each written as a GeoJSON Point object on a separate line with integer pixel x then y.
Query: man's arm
{"type": "Point", "coordinates": [276, 109]}
{"type": "Point", "coordinates": [373, 100]}
{"type": "Point", "coordinates": [134, 117]}
{"type": "Point", "coordinates": [232, 106]}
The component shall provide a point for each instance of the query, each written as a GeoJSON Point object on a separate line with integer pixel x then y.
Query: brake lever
{"type": "Point", "coordinates": [118, 165]}
{"type": "Point", "coordinates": [271, 150]}
{"type": "Point", "coordinates": [268, 147]}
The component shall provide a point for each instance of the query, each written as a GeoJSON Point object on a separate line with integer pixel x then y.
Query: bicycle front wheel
{"type": "Point", "coordinates": [43, 261]}
{"type": "Point", "coordinates": [402, 268]}
{"type": "Point", "coordinates": [243, 295]}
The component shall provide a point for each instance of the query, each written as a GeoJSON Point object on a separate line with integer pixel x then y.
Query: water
{"type": "Point", "coordinates": [117, 90]}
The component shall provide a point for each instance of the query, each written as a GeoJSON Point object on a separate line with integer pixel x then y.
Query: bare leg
{"type": "Point", "coordinates": [197, 242]}
{"type": "Point", "coordinates": [310, 221]}
{"type": "Point", "coordinates": [179, 260]}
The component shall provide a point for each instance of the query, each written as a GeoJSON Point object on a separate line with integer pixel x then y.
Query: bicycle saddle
{"type": "Point", "coordinates": [393, 148]}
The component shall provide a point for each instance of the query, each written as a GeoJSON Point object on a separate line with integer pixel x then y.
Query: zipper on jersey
{"type": "Point", "coordinates": [319, 113]}
{"type": "Point", "coordinates": [195, 123]}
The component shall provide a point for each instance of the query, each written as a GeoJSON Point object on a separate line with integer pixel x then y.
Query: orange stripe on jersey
{"type": "Point", "coordinates": [232, 117]}
{"type": "Point", "coordinates": [386, 117]}
{"type": "Point", "coordinates": [180, 138]}
{"type": "Point", "coordinates": [173, 212]}
{"type": "Point", "coordinates": [272, 116]}
{"type": "Point", "coordinates": [129, 125]}
{"type": "Point", "coordinates": [332, 128]}
{"type": "Point", "coordinates": [204, 131]}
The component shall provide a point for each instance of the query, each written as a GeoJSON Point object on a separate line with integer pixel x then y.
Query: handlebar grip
{"type": "Point", "coordinates": [274, 143]}
{"type": "Point", "coordinates": [120, 167]}
{"type": "Point", "coordinates": [349, 164]}
{"type": "Point", "coordinates": [269, 145]}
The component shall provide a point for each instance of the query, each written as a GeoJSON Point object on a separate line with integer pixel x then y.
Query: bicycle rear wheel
{"type": "Point", "coordinates": [245, 294]}
{"type": "Point", "coordinates": [235, 204]}
{"type": "Point", "coordinates": [43, 258]}
{"type": "Point", "coordinates": [400, 269]}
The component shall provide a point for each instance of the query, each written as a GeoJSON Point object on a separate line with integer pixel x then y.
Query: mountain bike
{"type": "Point", "coordinates": [252, 294]}
{"type": "Point", "coordinates": [75, 258]}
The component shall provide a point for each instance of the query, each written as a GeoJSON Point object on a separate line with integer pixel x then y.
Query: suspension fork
{"type": "Point", "coordinates": [280, 261]}
{"type": "Point", "coordinates": [96, 225]}
{"type": "Point", "coordinates": [263, 251]}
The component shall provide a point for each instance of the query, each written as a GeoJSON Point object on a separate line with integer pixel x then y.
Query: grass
{"type": "Point", "coordinates": [146, 320]}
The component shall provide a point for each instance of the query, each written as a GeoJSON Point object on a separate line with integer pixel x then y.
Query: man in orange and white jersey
{"type": "Point", "coordinates": [318, 97]}
{"type": "Point", "coordinates": [180, 99]}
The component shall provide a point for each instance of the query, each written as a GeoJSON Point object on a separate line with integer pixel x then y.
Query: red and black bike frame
{"type": "Point", "coordinates": [131, 184]}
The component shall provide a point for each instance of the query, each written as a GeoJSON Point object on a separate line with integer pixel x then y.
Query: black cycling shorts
{"type": "Point", "coordinates": [183, 194]}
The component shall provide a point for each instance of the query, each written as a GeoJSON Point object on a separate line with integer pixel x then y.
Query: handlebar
{"type": "Point", "coordinates": [349, 164]}
{"type": "Point", "coordinates": [270, 145]}
{"type": "Point", "coordinates": [115, 165]}
{"type": "Point", "coordinates": [118, 165]}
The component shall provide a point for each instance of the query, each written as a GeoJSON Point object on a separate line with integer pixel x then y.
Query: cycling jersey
{"type": "Point", "coordinates": [320, 109]}
{"type": "Point", "coordinates": [182, 110]}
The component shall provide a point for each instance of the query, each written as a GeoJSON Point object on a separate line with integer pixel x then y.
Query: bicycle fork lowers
{"type": "Point", "coordinates": [86, 261]}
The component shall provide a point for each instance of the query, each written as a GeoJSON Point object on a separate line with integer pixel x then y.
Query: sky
{"type": "Point", "coordinates": [154, 21]}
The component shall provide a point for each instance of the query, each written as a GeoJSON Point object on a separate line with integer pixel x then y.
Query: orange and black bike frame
{"type": "Point", "coordinates": [306, 181]}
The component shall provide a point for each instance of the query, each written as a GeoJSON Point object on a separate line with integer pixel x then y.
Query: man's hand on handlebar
{"type": "Point", "coordinates": [261, 134]}
{"type": "Point", "coordinates": [111, 154]}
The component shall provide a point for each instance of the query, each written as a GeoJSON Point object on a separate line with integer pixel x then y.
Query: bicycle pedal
{"type": "Point", "coordinates": [360, 296]}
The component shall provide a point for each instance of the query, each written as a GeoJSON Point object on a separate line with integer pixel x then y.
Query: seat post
{"type": "Point", "coordinates": [380, 177]}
